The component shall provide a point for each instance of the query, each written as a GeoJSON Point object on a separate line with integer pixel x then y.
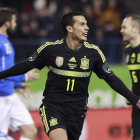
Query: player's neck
{"type": "Point", "coordinates": [135, 42]}
{"type": "Point", "coordinates": [3, 30]}
{"type": "Point", "coordinates": [73, 44]}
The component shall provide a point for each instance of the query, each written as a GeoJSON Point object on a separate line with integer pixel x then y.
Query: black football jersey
{"type": "Point", "coordinates": [133, 63]}
{"type": "Point", "coordinates": [69, 71]}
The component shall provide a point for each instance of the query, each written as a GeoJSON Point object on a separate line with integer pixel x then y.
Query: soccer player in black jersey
{"type": "Point", "coordinates": [130, 30]}
{"type": "Point", "coordinates": [71, 62]}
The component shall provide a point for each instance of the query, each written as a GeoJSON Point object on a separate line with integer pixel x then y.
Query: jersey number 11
{"type": "Point", "coordinates": [70, 82]}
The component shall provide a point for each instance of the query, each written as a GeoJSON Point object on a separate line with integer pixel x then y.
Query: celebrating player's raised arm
{"type": "Point", "coordinates": [116, 84]}
{"type": "Point", "coordinates": [17, 69]}
{"type": "Point", "coordinates": [103, 71]}
{"type": "Point", "coordinates": [34, 61]}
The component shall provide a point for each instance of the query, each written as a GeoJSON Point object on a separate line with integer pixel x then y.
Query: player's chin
{"type": "Point", "coordinates": [125, 39]}
{"type": "Point", "coordinates": [84, 38]}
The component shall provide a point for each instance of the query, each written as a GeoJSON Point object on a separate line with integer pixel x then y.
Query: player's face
{"type": "Point", "coordinates": [13, 23]}
{"type": "Point", "coordinates": [80, 28]}
{"type": "Point", "coordinates": [127, 29]}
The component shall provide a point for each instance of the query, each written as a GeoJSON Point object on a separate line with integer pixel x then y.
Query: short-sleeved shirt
{"type": "Point", "coordinates": [69, 72]}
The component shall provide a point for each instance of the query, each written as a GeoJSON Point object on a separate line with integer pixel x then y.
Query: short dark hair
{"type": "Point", "coordinates": [6, 14]}
{"type": "Point", "coordinates": [134, 17]}
{"type": "Point", "coordinates": [67, 20]}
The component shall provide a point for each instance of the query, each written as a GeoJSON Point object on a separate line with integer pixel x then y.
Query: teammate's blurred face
{"type": "Point", "coordinates": [13, 23]}
{"type": "Point", "coordinates": [80, 29]}
{"type": "Point", "coordinates": [128, 30]}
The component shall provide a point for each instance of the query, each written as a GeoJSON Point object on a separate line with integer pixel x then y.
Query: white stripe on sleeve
{"type": "Point", "coordinates": [3, 62]}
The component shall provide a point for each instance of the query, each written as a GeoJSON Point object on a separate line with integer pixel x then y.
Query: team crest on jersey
{"type": "Point", "coordinates": [127, 58]}
{"type": "Point", "coordinates": [84, 63]}
{"type": "Point", "coordinates": [59, 61]}
{"type": "Point", "coordinates": [133, 57]}
{"type": "Point", "coordinates": [138, 57]}
{"type": "Point", "coordinates": [53, 121]}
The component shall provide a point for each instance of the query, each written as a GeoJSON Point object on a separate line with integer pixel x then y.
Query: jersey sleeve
{"type": "Point", "coordinates": [17, 85]}
{"type": "Point", "coordinates": [101, 67]}
{"type": "Point", "coordinates": [39, 58]}
{"type": "Point", "coordinates": [19, 78]}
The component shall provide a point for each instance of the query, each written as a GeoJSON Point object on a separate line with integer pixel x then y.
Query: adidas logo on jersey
{"type": "Point", "coordinates": [72, 59]}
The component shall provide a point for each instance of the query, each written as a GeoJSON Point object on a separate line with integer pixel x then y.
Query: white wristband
{"type": "Point", "coordinates": [26, 77]}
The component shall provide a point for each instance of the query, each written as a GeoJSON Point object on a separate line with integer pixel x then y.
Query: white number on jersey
{"type": "Point", "coordinates": [8, 48]}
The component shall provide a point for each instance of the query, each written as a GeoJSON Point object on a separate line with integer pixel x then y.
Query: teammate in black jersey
{"type": "Point", "coordinates": [70, 62]}
{"type": "Point", "coordinates": [131, 33]}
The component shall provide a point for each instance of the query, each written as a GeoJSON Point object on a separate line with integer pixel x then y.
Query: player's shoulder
{"type": "Point", "coordinates": [95, 50]}
{"type": "Point", "coordinates": [92, 47]}
{"type": "Point", "coordinates": [2, 44]}
{"type": "Point", "coordinates": [49, 45]}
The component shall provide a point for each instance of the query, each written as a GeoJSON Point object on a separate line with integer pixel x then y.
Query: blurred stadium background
{"type": "Point", "coordinates": [39, 21]}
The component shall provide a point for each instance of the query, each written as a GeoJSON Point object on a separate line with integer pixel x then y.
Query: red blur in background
{"type": "Point", "coordinates": [108, 124]}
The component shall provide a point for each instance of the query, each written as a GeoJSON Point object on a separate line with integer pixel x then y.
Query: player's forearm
{"type": "Point", "coordinates": [131, 88]}
{"type": "Point", "coordinates": [19, 78]}
{"type": "Point", "coordinates": [18, 69]}
{"type": "Point", "coordinates": [116, 84]}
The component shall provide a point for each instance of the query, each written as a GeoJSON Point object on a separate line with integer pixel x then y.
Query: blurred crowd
{"type": "Point", "coordinates": [41, 18]}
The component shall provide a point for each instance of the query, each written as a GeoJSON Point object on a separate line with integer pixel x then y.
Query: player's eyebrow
{"type": "Point", "coordinates": [82, 23]}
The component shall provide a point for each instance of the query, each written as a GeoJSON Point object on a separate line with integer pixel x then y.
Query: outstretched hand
{"type": "Point", "coordinates": [138, 104]}
{"type": "Point", "coordinates": [26, 93]}
{"type": "Point", "coordinates": [127, 102]}
{"type": "Point", "coordinates": [32, 75]}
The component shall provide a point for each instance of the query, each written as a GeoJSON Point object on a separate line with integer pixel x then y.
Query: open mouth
{"type": "Point", "coordinates": [123, 34]}
{"type": "Point", "coordinates": [85, 34]}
